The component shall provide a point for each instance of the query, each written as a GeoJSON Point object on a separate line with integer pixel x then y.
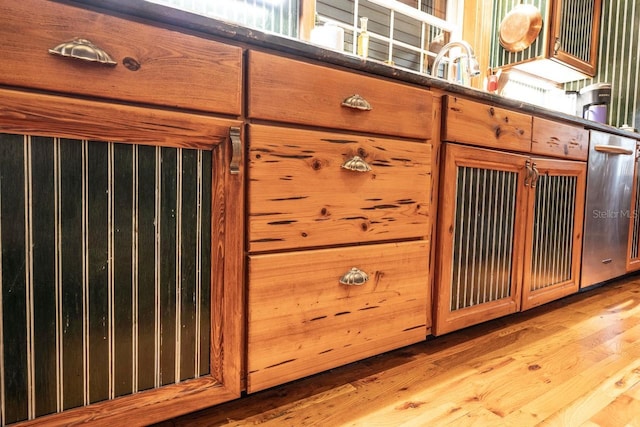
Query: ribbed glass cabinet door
{"type": "Point", "coordinates": [480, 236]}
{"type": "Point", "coordinates": [553, 226]}
{"type": "Point", "coordinates": [554, 231]}
{"type": "Point", "coordinates": [483, 239]}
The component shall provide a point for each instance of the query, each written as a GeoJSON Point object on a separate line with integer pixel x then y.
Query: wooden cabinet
{"type": "Point", "coordinates": [472, 122]}
{"type": "Point", "coordinates": [575, 33]}
{"type": "Point", "coordinates": [480, 237]}
{"type": "Point", "coordinates": [297, 92]}
{"type": "Point", "coordinates": [509, 234]}
{"type": "Point", "coordinates": [112, 276]}
{"type": "Point", "coordinates": [301, 196]}
{"type": "Point", "coordinates": [633, 258]}
{"type": "Point", "coordinates": [553, 244]}
{"type": "Point", "coordinates": [303, 319]}
{"type": "Point", "coordinates": [121, 230]}
{"type": "Point", "coordinates": [560, 140]}
{"type": "Point", "coordinates": [335, 194]}
{"type": "Point", "coordinates": [567, 46]}
{"type": "Point", "coordinates": [151, 65]}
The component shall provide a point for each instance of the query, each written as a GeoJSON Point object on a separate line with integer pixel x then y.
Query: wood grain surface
{"type": "Point", "coordinates": [292, 91]}
{"type": "Point", "coordinates": [300, 196]}
{"type": "Point", "coordinates": [154, 65]}
{"type": "Point", "coordinates": [559, 140]}
{"type": "Point", "coordinates": [481, 124]}
{"type": "Point", "coordinates": [302, 320]}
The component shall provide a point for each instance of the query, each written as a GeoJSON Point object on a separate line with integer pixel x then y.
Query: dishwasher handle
{"type": "Point", "coordinates": [613, 149]}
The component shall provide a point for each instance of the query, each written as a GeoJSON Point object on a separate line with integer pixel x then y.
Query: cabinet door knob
{"type": "Point", "coordinates": [354, 277]}
{"type": "Point", "coordinates": [84, 50]}
{"type": "Point", "coordinates": [356, 163]}
{"type": "Point", "coordinates": [357, 102]}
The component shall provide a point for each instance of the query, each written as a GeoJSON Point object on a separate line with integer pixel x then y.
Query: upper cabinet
{"type": "Point", "coordinates": [566, 47]}
{"type": "Point", "coordinates": [575, 28]}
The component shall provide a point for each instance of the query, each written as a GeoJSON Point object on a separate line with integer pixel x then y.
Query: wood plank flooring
{"type": "Point", "coordinates": [573, 362]}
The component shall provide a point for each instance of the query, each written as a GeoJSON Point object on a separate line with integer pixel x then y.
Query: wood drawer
{"type": "Point", "coordinates": [484, 125]}
{"type": "Point", "coordinates": [559, 140]}
{"type": "Point", "coordinates": [303, 321]}
{"type": "Point", "coordinates": [300, 196]}
{"type": "Point", "coordinates": [291, 91]}
{"type": "Point", "coordinates": [175, 69]}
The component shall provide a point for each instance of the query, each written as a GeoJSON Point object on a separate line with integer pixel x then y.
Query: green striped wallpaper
{"type": "Point", "coordinates": [619, 60]}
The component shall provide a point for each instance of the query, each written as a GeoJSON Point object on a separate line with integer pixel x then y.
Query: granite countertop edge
{"type": "Point", "coordinates": [178, 19]}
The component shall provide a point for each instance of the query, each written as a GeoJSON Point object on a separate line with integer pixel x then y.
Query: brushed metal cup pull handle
{"type": "Point", "coordinates": [354, 277]}
{"type": "Point", "coordinates": [84, 50]}
{"type": "Point", "coordinates": [357, 164]}
{"type": "Point", "coordinates": [357, 102]}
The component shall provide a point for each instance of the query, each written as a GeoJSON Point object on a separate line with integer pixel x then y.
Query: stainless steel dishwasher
{"type": "Point", "coordinates": [607, 207]}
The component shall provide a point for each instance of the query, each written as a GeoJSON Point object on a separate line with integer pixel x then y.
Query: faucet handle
{"type": "Point", "coordinates": [474, 67]}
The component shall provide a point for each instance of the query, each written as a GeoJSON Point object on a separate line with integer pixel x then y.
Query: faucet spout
{"type": "Point", "coordinates": [473, 68]}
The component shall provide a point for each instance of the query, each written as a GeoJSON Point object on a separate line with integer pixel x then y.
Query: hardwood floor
{"type": "Point", "coordinates": [573, 362]}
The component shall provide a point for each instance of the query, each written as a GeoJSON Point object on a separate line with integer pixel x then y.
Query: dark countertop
{"type": "Point", "coordinates": [177, 19]}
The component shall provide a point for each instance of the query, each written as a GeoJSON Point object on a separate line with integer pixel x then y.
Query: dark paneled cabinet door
{"type": "Point", "coordinates": [113, 244]}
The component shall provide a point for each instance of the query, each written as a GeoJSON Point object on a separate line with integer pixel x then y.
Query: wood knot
{"type": "Point", "coordinates": [410, 405]}
{"type": "Point", "coordinates": [364, 226]}
{"type": "Point", "coordinates": [324, 211]}
{"type": "Point", "coordinates": [131, 64]}
{"type": "Point", "coordinates": [534, 367]}
{"type": "Point", "coordinates": [492, 112]}
{"type": "Point", "coordinates": [498, 132]}
{"type": "Point", "coordinates": [316, 165]}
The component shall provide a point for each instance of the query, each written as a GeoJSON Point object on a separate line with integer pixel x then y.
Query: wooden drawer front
{"type": "Point", "coordinates": [480, 124]}
{"type": "Point", "coordinates": [174, 69]}
{"type": "Point", "coordinates": [559, 140]}
{"type": "Point", "coordinates": [303, 321]}
{"type": "Point", "coordinates": [296, 92]}
{"type": "Point", "coordinates": [300, 196]}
